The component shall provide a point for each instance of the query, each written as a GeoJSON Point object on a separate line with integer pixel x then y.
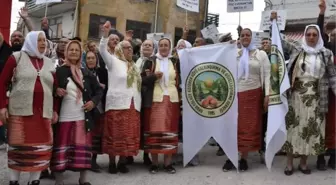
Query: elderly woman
{"type": "Point", "coordinates": [121, 135]}
{"type": "Point", "coordinates": [30, 109]}
{"type": "Point", "coordinates": [312, 72]}
{"type": "Point", "coordinates": [253, 90]}
{"type": "Point", "coordinates": [161, 106]}
{"type": "Point", "coordinates": [93, 66]}
{"type": "Point", "coordinates": [79, 93]}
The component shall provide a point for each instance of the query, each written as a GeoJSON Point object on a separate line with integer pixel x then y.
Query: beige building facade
{"type": "Point", "coordinates": [142, 16]}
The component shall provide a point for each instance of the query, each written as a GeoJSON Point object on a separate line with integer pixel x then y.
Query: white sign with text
{"type": "Point", "coordinates": [190, 5]}
{"type": "Point", "coordinates": [239, 5]}
{"type": "Point", "coordinates": [211, 32]}
{"type": "Point", "coordinates": [265, 22]}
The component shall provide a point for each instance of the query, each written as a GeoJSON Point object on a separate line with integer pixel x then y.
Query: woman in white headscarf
{"type": "Point", "coordinates": [161, 106]}
{"type": "Point", "coordinates": [311, 72]}
{"type": "Point", "coordinates": [31, 108]}
{"type": "Point", "coordinates": [253, 89]}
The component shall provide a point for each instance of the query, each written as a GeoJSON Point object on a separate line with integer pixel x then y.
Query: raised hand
{"type": "Point", "coordinates": [322, 6]}
{"type": "Point", "coordinates": [23, 12]}
{"type": "Point", "coordinates": [106, 28]}
{"type": "Point", "coordinates": [129, 35]}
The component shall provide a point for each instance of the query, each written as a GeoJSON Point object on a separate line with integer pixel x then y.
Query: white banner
{"type": "Point", "coordinates": [265, 22]}
{"type": "Point", "coordinates": [276, 134]}
{"type": "Point", "coordinates": [211, 32]}
{"type": "Point", "coordinates": [190, 5]}
{"type": "Point", "coordinates": [239, 5]}
{"type": "Point", "coordinates": [47, 1]}
{"type": "Point", "coordinates": [210, 105]}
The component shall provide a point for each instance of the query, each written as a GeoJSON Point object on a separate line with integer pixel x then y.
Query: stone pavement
{"type": "Point", "coordinates": [208, 173]}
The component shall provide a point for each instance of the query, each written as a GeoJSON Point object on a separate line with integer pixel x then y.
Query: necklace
{"type": "Point", "coordinates": [38, 68]}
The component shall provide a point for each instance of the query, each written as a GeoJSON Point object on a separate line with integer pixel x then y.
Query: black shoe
{"type": "Point", "coordinates": [243, 165]}
{"type": "Point", "coordinates": [14, 183]}
{"type": "Point", "coordinates": [332, 162]}
{"type": "Point", "coordinates": [44, 174]}
{"type": "Point", "coordinates": [169, 169]}
{"type": "Point", "coordinates": [35, 182]}
{"type": "Point", "coordinates": [306, 171]}
{"type": "Point", "coordinates": [321, 163]}
{"type": "Point", "coordinates": [122, 168]}
{"type": "Point", "coordinates": [146, 160]}
{"type": "Point", "coordinates": [154, 169]}
{"type": "Point", "coordinates": [95, 167]}
{"type": "Point", "coordinates": [85, 183]}
{"type": "Point", "coordinates": [228, 166]}
{"type": "Point", "coordinates": [113, 169]}
{"type": "Point", "coordinates": [288, 172]}
{"type": "Point", "coordinates": [130, 160]}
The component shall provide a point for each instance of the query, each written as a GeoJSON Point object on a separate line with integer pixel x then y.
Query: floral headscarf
{"type": "Point", "coordinates": [75, 68]}
{"type": "Point", "coordinates": [133, 76]}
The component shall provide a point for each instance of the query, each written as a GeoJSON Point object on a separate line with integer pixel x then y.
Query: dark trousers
{"type": "Point", "coordinates": [263, 131]}
{"type": "Point", "coordinates": [3, 135]}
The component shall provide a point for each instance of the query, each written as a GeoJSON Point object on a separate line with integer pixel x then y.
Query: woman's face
{"type": "Point", "coordinates": [41, 43]}
{"type": "Point", "coordinates": [91, 60]}
{"type": "Point", "coordinates": [92, 47]}
{"type": "Point", "coordinates": [312, 36]}
{"type": "Point", "coordinates": [147, 48]}
{"type": "Point", "coordinates": [245, 37]}
{"type": "Point", "coordinates": [181, 45]}
{"type": "Point", "coordinates": [127, 50]}
{"type": "Point", "coordinates": [164, 47]}
{"type": "Point", "coordinates": [74, 53]}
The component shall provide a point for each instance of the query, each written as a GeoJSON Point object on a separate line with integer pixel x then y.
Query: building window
{"type": "Point", "coordinates": [55, 25]}
{"type": "Point", "coordinates": [140, 29]}
{"type": "Point", "coordinates": [179, 33]}
{"type": "Point", "coordinates": [96, 24]}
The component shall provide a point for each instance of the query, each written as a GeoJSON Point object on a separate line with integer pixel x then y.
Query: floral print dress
{"type": "Point", "coordinates": [305, 124]}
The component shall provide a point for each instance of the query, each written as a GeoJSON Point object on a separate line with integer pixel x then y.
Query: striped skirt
{"type": "Point", "coordinates": [161, 127]}
{"type": "Point", "coordinates": [30, 142]}
{"type": "Point", "coordinates": [97, 133]}
{"type": "Point", "coordinates": [250, 120]}
{"type": "Point", "coordinates": [121, 134]}
{"type": "Point", "coordinates": [72, 147]}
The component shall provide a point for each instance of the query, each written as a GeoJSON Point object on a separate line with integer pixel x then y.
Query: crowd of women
{"type": "Point", "coordinates": [64, 108]}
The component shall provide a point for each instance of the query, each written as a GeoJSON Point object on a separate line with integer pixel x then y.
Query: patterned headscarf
{"type": "Point", "coordinates": [133, 76]}
{"type": "Point", "coordinates": [75, 68]}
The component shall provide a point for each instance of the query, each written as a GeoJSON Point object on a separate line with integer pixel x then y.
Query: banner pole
{"type": "Point", "coordinates": [46, 10]}
{"type": "Point", "coordinates": [239, 18]}
{"type": "Point", "coordinates": [186, 17]}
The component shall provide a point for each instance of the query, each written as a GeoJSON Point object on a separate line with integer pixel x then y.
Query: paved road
{"type": "Point", "coordinates": [208, 173]}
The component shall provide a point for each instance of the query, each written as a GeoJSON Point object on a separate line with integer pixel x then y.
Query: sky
{"type": "Point", "coordinates": [228, 22]}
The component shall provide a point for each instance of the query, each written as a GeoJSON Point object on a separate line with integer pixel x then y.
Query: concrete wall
{"type": "Point", "coordinates": [170, 16]}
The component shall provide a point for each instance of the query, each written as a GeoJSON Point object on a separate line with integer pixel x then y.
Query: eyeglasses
{"type": "Point", "coordinates": [127, 47]}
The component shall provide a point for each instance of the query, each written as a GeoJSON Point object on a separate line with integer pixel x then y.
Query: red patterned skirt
{"type": "Point", "coordinates": [331, 122]}
{"type": "Point", "coordinates": [250, 120]}
{"type": "Point", "coordinates": [161, 127]}
{"type": "Point", "coordinates": [30, 142]}
{"type": "Point", "coordinates": [72, 147]}
{"type": "Point", "coordinates": [97, 133]}
{"type": "Point", "coordinates": [121, 134]}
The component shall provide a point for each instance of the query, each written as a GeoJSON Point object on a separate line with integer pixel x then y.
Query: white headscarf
{"type": "Point", "coordinates": [313, 51]}
{"type": "Point", "coordinates": [188, 45]}
{"type": "Point", "coordinates": [320, 44]}
{"type": "Point", "coordinates": [140, 62]}
{"type": "Point", "coordinates": [245, 58]}
{"type": "Point", "coordinates": [30, 45]}
{"type": "Point", "coordinates": [164, 65]}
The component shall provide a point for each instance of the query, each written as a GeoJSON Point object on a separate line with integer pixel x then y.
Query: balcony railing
{"type": "Point", "coordinates": [32, 7]}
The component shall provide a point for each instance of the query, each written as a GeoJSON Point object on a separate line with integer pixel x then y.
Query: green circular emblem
{"type": "Point", "coordinates": [210, 89]}
{"type": "Point", "coordinates": [278, 70]}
